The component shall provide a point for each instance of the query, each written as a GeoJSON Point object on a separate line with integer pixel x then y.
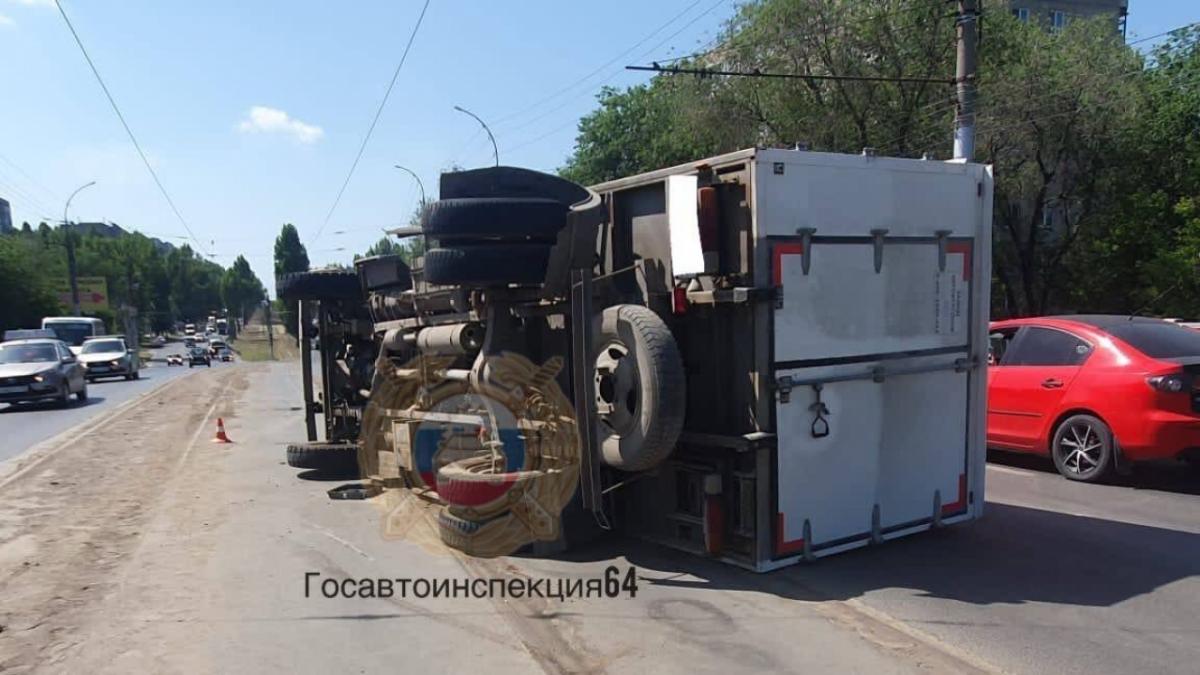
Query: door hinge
{"type": "Point", "coordinates": [783, 386]}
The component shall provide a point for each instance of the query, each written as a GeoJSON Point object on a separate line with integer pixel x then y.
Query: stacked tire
{"type": "Point", "coordinates": [495, 227]}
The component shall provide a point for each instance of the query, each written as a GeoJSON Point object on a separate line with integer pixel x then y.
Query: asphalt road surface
{"type": "Point", "coordinates": [196, 561]}
{"type": "Point", "coordinates": [25, 425]}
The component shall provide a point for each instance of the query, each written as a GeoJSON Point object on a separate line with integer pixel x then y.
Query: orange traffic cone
{"type": "Point", "coordinates": [221, 437]}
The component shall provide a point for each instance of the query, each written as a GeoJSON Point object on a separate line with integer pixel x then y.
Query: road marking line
{"type": "Point", "coordinates": [1015, 472]}
{"type": "Point", "coordinates": [341, 541]}
{"type": "Point", "coordinates": [52, 445]}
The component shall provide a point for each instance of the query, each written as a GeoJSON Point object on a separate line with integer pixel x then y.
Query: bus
{"type": "Point", "coordinates": [73, 330]}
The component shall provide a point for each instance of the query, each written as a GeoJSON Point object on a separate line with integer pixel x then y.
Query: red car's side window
{"type": "Point", "coordinates": [1039, 346]}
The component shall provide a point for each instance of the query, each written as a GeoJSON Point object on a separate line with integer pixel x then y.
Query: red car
{"type": "Point", "coordinates": [1094, 391]}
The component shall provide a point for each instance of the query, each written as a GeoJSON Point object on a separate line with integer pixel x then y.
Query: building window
{"type": "Point", "coordinates": [1058, 20]}
{"type": "Point", "coordinates": [1022, 14]}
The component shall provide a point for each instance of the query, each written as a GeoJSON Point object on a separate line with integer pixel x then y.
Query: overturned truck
{"type": "Point", "coordinates": [764, 356]}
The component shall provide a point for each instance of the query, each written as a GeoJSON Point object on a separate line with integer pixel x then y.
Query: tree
{"type": "Point", "coordinates": [26, 293]}
{"type": "Point", "coordinates": [290, 254]}
{"type": "Point", "coordinates": [1092, 194]}
{"type": "Point", "coordinates": [25, 228]}
{"type": "Point", "coordinates": [241, 290]}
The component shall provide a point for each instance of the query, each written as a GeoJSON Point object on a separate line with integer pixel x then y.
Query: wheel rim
{"type": "Point", "coordinates": [1080, 448]}
{"type": "Point", "coordinates": [618, 399]}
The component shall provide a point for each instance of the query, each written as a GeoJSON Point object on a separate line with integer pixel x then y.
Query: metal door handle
{"type": "Point", "coordinates": [1051, 383]}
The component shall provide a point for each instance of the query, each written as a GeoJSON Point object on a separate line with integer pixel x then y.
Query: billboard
{"type": "Point", "coordinates": [93, 293]}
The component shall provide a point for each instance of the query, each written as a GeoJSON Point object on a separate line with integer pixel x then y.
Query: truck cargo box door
{"type": "Point", "coordinates": [872, 388]}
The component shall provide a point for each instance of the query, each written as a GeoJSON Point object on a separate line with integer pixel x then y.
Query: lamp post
{"type": "Point", "coordinates": [495, 150]}
{"type": "Point", "coordinates": [416, 178]}
{"type": "Point", "coordinates": [71, 250]}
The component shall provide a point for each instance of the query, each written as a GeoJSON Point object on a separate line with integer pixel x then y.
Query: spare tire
{"type": "Point", "coordinates": [503, 218]}
{"type": "Point", "coordinates": [640, 385]}
{"type": "Point", "coordinates": [336, 457]}
{"type": "Point", "coordinates": [327, 284]}
{"type": "Point", "coordinates": [479, 487]}
{"type": "Point", "coordinates": [508, 181]}
{"type": "Point", "coordinates": [487, 264]}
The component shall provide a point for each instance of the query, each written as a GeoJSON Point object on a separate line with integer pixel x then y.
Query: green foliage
{"type": "Point", "coordinates": [26, 293]}
{"type": "Point", "coordinates": [241, 290]}
{"type": "Point", "coordinates": [290, 254]}
{"type": "Point", "coordinates": [164, 287]}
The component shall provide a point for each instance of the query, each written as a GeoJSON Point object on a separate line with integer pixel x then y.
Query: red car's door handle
{"type": "Point", "coordinates": [1051, 383]}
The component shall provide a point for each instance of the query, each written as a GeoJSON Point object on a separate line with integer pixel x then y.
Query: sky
{"type": "Point", "coordinates": [251, 112]}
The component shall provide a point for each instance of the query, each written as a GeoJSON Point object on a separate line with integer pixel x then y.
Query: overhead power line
{"type": "Point", "coordinates": [1165, 32]}
{"type": "Point", "coordinates": [711, 72]}
{"type": "Point", "coordinates": [129, 131]}
{"type": "Point", "coordinates": [499, 121]}
{"type": "Point", "coordinates": [375, 120]}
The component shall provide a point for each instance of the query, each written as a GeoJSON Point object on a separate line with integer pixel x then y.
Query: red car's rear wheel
{"type": "Point", "coordinates": [1083, 448]}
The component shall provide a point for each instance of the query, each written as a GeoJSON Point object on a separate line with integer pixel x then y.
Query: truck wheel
{"type": "Point", "coordinates": [639, 381]}
{"type": "Point", "coordinates": [334, 284]}
{"type": "Point", "coordinates": [483, 538]}
{"type": "Point", "coordinates": [480, 488]}
{"type": "Point", "coordinates": [506, 218]}
{"type": "Point", "coordinates": [339, 457]}
{"type": "Point", "coordinates": [1082, 448]}
{"type": "Point", "coordinates": [487, 264]}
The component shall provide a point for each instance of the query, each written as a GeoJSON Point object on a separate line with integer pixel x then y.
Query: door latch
{"type": "Point", "coordinates": [783, 385]}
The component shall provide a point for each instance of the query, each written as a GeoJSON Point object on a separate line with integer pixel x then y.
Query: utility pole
{"type": "Point", "coordinates": [270, 331]}
{"type": "Point", "coordinates": [964, 79]}
{"type": "Point", "coordinates": [71, 250]}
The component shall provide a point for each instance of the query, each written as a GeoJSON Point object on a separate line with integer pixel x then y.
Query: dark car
{"type": "Point", "coordinates": [199, 356]}
{"type": "Point", "coordinates": [1092, 391]}
{"type": "Point", "coordinates": [32, 370]}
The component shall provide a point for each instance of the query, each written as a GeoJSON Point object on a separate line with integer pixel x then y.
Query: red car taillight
{"type": "Point", "coordinates": [1174, 383]}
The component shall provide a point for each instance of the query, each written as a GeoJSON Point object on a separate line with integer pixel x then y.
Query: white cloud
{"type": "Point", "coordinates": [274, 121]}
{"type": "Point", "coordinates": [6, 22]}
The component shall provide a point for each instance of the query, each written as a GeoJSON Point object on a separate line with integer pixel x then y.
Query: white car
{"type": "Point", "coordinates": [108, 356]}
{"type": "Point", "coordinates": [175, 360]}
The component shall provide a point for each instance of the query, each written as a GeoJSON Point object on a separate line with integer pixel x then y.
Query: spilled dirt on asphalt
{"type": "Point", "coordinates": [69, 524]}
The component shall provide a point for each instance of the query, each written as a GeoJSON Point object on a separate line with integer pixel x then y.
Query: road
{"type": "Point", "coordinates": [189, 556]}
{"type": "Point", "coordinates": [22, 426]}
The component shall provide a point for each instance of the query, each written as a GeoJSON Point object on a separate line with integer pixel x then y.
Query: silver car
{"type": "Point", "coordinates": [108, 356]}
{"type": "Point", "coordinates": [34, 370]}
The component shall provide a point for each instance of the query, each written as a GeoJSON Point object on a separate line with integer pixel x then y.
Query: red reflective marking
{"type": "Point", "coordinates": [782, 545]}
{"type": "Point", "coordinates": [963, 247]}
{"type": "Point", "coordinates": [961, 503]}
{"type": "Point", "coordinates": [780, 251]}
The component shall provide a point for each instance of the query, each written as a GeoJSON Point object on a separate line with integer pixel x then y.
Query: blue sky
{"type": "Point", "coordinates": [251, 111]}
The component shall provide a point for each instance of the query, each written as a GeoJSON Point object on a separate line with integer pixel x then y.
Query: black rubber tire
{"type": "Point", "coordinates": [487, 265]}
{"type": "Point", "coordinates": [1062, 460]}
{"type": "Point", "coordinates": [660, 405]}
{"type": "Point", "coordinates": [339, 457]}
{"type": "Point", "coordinates": [474, 487]}
{"type": "Point", "coordinates": [508, 181]}
{"type": "Point", "coordinates": [81, 395]}
{"type": "Point", "coordinates": [64, 396]}
{"type": "Point", "coordinates": [498, 219]}
{"type": "Point", "coordinates": [328, 284]}
{"type": "Point", "coordinates": [469, 535]}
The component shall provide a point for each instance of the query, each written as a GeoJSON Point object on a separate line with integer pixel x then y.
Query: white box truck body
{"type": "Point", "coordinates": [835, 340]}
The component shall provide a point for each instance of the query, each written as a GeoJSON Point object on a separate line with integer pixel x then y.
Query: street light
{"type": "Point", "coordinates": [416, 178]}
{"type": "Point", "coordinates": [495, 150]}
{"type": "Point", "coordinates": [71, 249]}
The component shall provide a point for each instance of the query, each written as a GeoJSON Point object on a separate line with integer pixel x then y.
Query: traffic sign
{"type": "Point", "coordinates": [93, 293]}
